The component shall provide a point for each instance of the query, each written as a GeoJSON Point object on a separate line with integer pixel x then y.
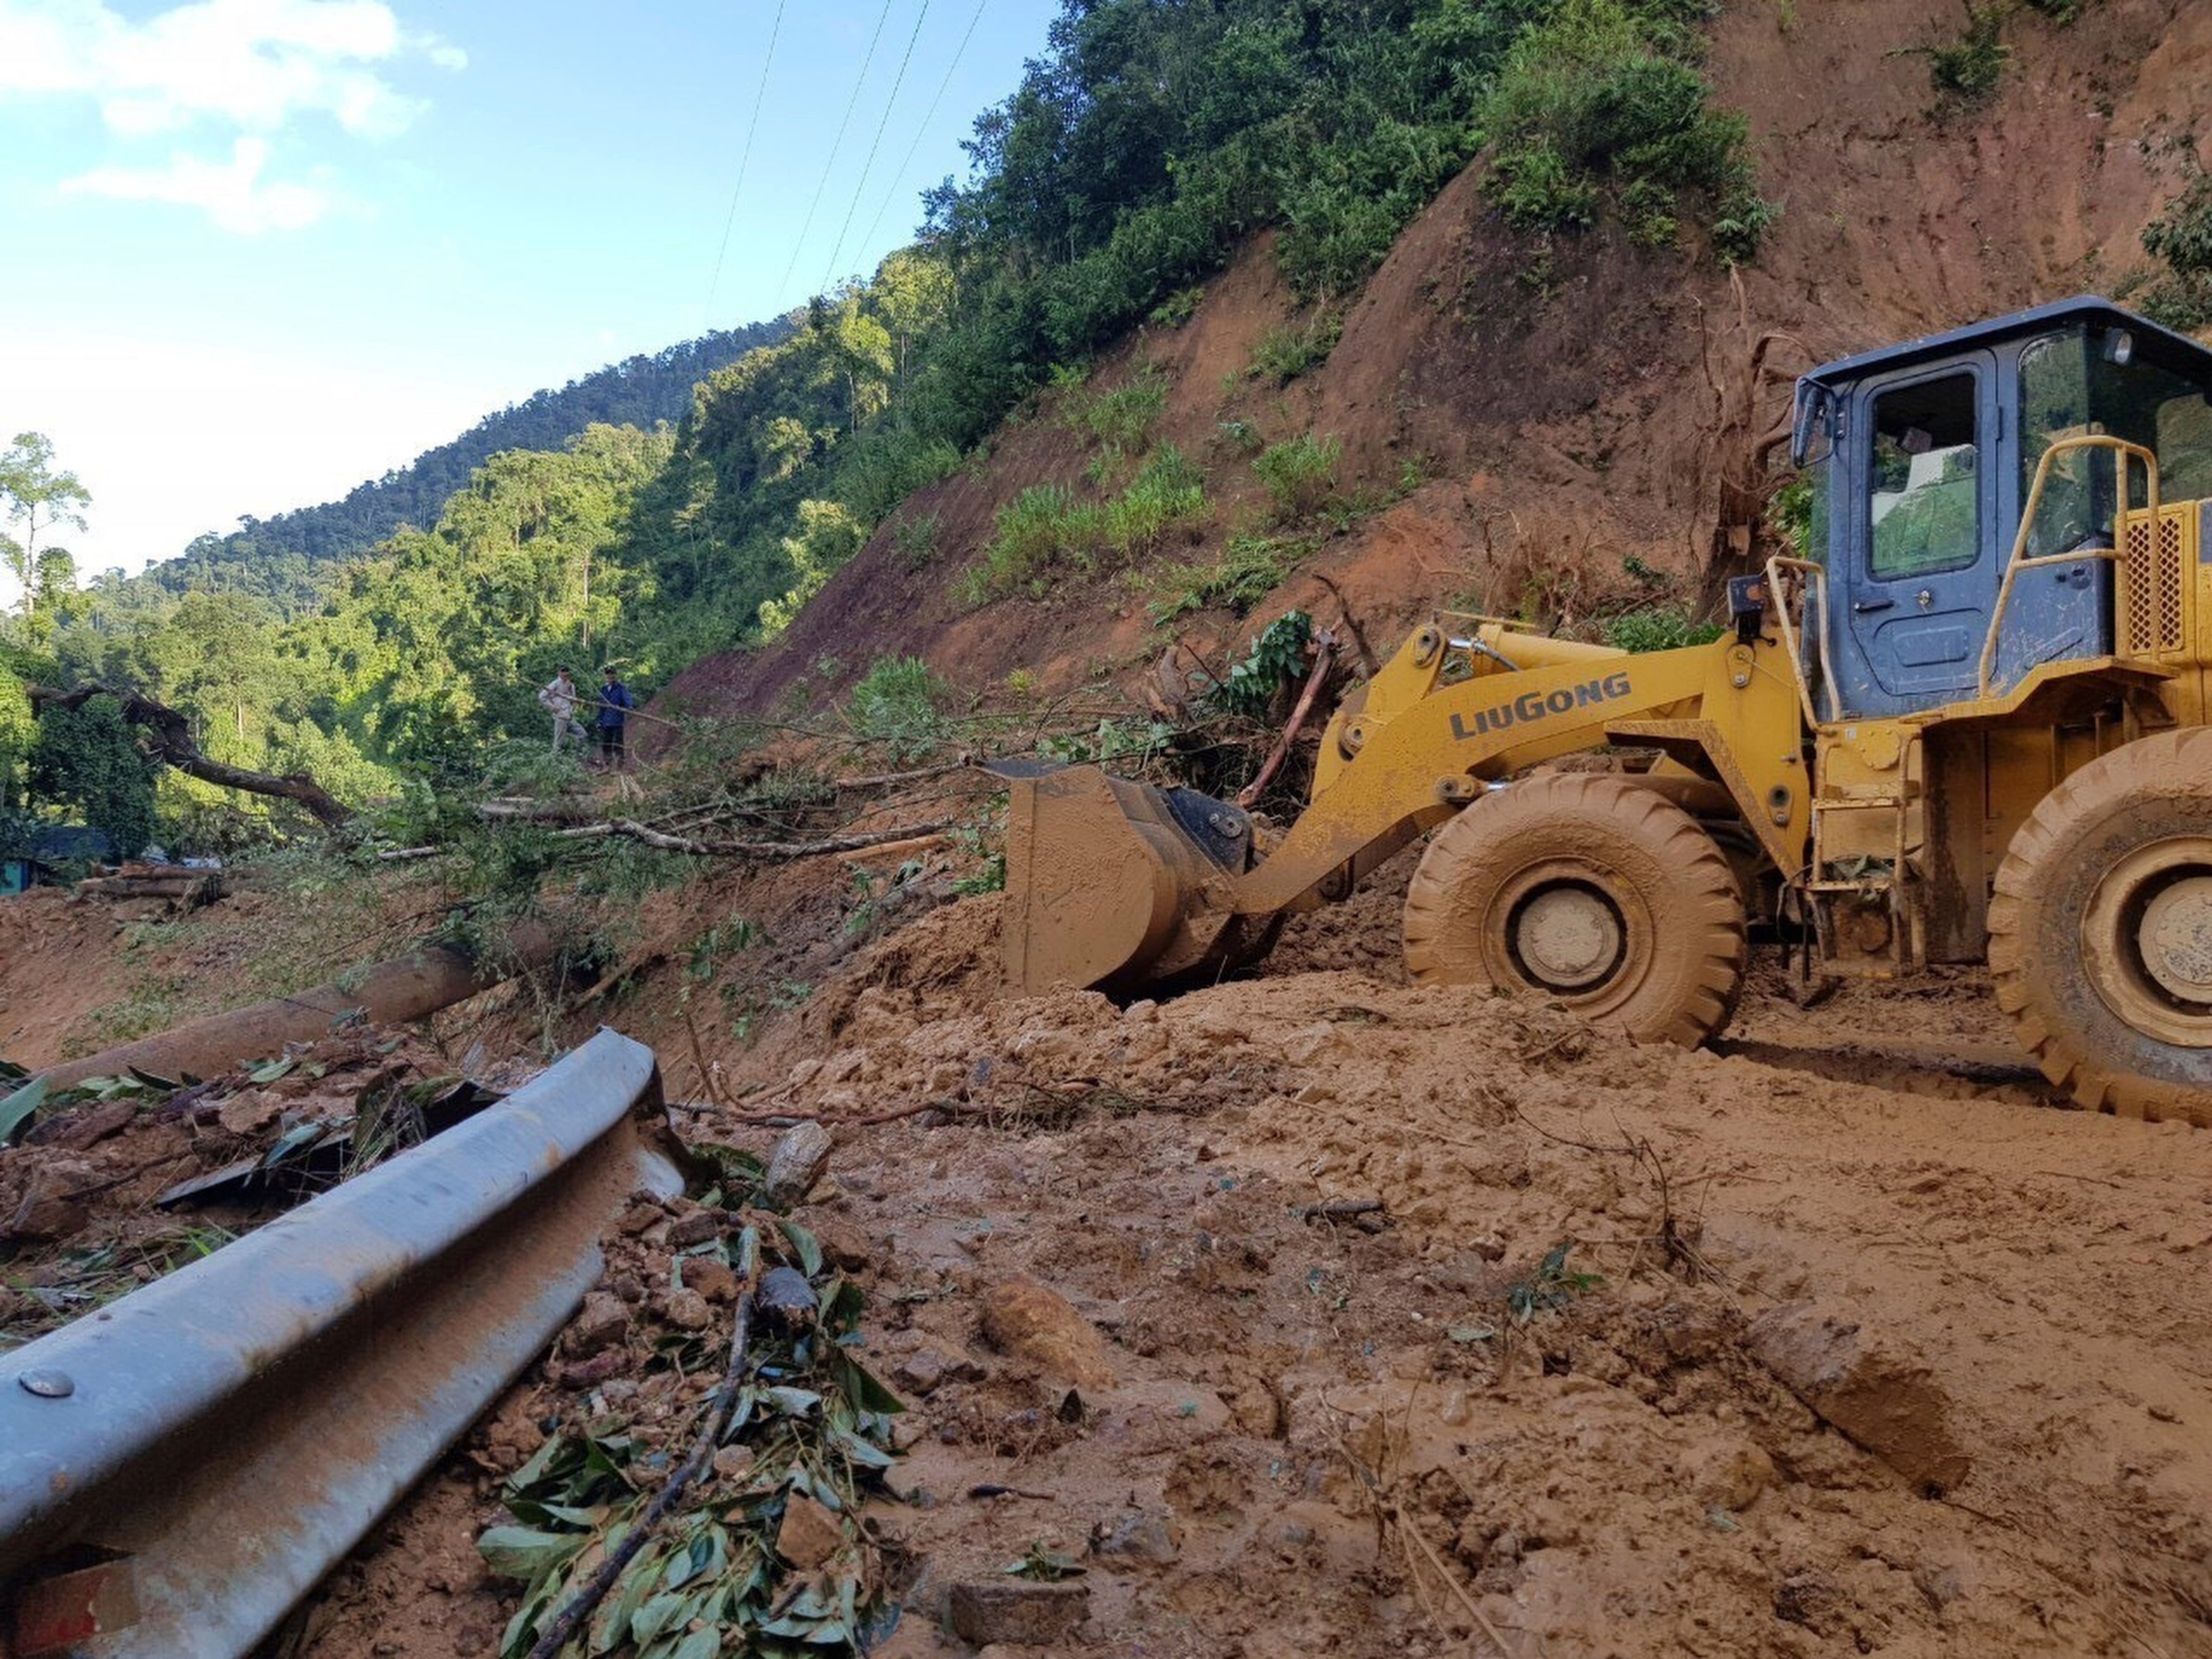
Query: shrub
{"type": "Point", "coordinates": [1598, 95]}
{"type": "Point", "coordinates": [1967, 70]}
{"type": "Point", "coordinates": [1286, 352]}
{"type": "Point", "coordinates": [1249, 568]}
{"type": "Point", "coordinates": [1277, 657]}
{"type": "Point", "coordinates": [916, 541]}
{"type": "Point", "coordinates": [1300, 473]}
{"type": "Point", "coordinates": [1656, 628]}
{"type": "Point", "coordinates": [1123, 418]}
{"type": "Point", "coordinates": [899, 704]}
{"type": "Point", "coordinates": [2180, 238]}
{"type": "Point", "coordinates": [1178, 308]}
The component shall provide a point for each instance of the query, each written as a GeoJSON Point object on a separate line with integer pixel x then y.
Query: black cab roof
{"type": "Point", "coordinates": [2163, 345]}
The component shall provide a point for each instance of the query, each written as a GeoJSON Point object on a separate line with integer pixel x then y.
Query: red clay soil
{"type": "Point", "coordinates": [1857, 1343]}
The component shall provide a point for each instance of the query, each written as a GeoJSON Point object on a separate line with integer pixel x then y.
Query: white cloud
{"type": "Point", "coordinates": [233, 195]}
{"type": "Point", "coordinates": [251, 63]}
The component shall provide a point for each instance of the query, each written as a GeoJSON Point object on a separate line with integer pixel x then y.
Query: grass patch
{"type": "Point", "coordinates": [1969, 68]}
{"type": "Point", "coordinates": [1178, 308]}
{"type": "Point", "coordinates": [1249, 568]}
{"type": "Point", "coordinates": [1300, 473]}
{"type": "Point", "coordinates": [1046, 529]}
{"type": "Point", "coordinates": [1291, 349]}
{"type": "Point", "coordinates": [1121, 419]}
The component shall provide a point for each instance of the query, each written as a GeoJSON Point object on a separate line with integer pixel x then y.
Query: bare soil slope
{"type": "Point", "coordinates": [1576, 403]}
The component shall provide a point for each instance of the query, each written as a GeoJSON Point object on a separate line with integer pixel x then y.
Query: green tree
{"type": "Point", "coordinates": [85, 758]}
{"type": "Point", "coordinates": [34, 498]}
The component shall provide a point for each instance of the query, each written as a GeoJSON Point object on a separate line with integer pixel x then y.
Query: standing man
{"type": "Point", "coordinates": [615, 702]}
{"type": "Point", "coordinates": [559, 698]}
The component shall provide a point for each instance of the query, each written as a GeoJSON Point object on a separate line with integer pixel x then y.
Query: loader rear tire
{"type": "Point", "coordinates": [1590, 888]}
{"type": "Point", "coordinates": [2100, 931]}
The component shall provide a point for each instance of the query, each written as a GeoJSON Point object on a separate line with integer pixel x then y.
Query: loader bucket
{"type": "Point", "coordinates": [1117, 885]}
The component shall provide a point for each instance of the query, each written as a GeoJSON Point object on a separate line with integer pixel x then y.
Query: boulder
{"type": "Point", "coordinates": [1022, 1611]}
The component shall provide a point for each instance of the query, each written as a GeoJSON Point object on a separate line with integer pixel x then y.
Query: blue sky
{"type": "Point", "coordinates": [261, 250]}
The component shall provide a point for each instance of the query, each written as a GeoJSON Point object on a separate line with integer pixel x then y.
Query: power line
{"type": "Point", "coordinates": [922, 131]}
{"type": "Point", "coordinates": [867, 62]}
{"type": "Point", "coordinates": [744, 161]}
{"type": "Point", "coordinates": [897, 81]}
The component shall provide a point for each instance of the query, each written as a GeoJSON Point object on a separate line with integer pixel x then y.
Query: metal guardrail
{"type": "Point", "coordinates": [178, 1469]}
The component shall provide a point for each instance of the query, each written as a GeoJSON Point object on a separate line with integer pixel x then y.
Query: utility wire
{"type": "Point", "coordinates": [744, 160]}
{"type": "Point", "coordinates": [784, 287]}
{"type": "Point", "coordinates": [868, 165]}
{"type": "Point", "coordinates": [922, 132]}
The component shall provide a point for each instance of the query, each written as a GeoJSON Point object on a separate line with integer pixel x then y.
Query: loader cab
{"type": "Point", "coordinates": [1922, 457]}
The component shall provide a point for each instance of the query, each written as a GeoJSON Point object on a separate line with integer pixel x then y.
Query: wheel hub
{"type": "Point", "coordinates": [1568, 937]}
{"type": "Point", "coordinates": [2147, 940]}
{"type": "Point", "coordinates": [2175, 939]}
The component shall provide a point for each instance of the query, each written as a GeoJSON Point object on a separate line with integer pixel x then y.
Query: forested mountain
{"type": "Point", "coordinates": [274, 558]}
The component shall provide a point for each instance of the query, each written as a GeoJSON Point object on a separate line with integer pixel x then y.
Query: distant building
{"type": "Point", "coordinates": [50, 847]}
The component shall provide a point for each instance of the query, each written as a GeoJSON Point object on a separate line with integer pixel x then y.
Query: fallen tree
{"type": "Point", "coordinates": [169, 740]}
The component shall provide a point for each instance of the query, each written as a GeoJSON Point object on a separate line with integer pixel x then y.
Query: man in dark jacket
{"type": "Point", "coordinates": [615, 702]}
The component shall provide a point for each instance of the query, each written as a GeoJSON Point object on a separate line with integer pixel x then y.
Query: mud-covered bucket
{"type": "Point", "coordinates": [1117, 885]}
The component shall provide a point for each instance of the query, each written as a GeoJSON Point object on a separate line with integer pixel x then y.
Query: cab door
{"type": "Point", "coordinates": [1919, 536]}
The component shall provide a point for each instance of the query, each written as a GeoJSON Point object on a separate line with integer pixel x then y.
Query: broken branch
{"type": "Point", "coordinates": [171, 742]}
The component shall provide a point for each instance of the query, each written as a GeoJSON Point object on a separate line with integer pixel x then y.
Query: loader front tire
{"type": "Point", "coordinates": [2100, 931]}
{"type": "Point", "coordinates": [1590, 888]}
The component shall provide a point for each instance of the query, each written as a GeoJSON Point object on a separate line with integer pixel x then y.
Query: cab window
{"type": "Point", "coordinates": [1923, 498]}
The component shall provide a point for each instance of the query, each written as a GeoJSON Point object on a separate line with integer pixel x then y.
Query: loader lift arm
{"type": "Point", "coordinates": [1114, 885]}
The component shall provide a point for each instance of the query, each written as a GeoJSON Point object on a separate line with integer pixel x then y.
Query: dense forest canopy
{"type": "Point", "coordinates": [402, 633]}
{"type": "Point", "coordinates": [276, 558]}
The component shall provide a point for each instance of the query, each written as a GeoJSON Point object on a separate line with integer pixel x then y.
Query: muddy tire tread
{"type": "Point", "coordinates": [2150, 764]}
{"type": "Point", "coordinates": [1703, 892]}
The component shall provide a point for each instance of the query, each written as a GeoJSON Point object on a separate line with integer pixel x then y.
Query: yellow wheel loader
{"type": "Point", "coordinates": [1972, 727]}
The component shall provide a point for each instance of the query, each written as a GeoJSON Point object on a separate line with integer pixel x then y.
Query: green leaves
{"type": "Point", "coordinates": [809, 1419]}
{"type": "Point", "coordinates": [16, 1109]}
{"type": "Point", "coordinates": [525, 1552]}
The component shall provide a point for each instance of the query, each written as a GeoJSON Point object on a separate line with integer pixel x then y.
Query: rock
{"type": "Point", "coordinates": [1814, 1600]}
{"type": "Point", "coordinates": [628, 1286]}
{"type": "Point", "coordinates": [927, 1370]}
{"type": "Point", "coordinates": [1134, 1535]}
{"type": "Point", "coordinates": [785, 1300]}
{"type": "Point", "coordinates": [713, 1279]}
{"type": "Point", "coordinates": [1729, 1474]}
{"type": "Point", "coordinates": [734, 1463]}
{"type": "Point", "coordinates": [604, 1322]}
{"type": "Point", "coordinates": [1866, 1389]}
{"type": "Point", "coordinates": [57, 1199]}
{"type": "Point", "coordinates": [250, 1111]}
{"type": "Point", "coordinates": [796, 1164]}
{"type": "Point", "coordinates": [688, 1310]}
{"type": "Point", "coordinates": [644, 1213]}
{"type": "Point", "coordinates": [601, 1367]}
{"type": "Point", "coordinates": [809, 1535]}
{"type": "Point", "coordinates": [1024, 1319]}
{"type": "Point", "coordinates": [81, 1131]}
{"type": "Point", "coordinates": [694, 1229]}
{"type": "Point", "coordinates": [842, 1246]}
{"type": "Point", "coordinates": [1020, 1611]}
